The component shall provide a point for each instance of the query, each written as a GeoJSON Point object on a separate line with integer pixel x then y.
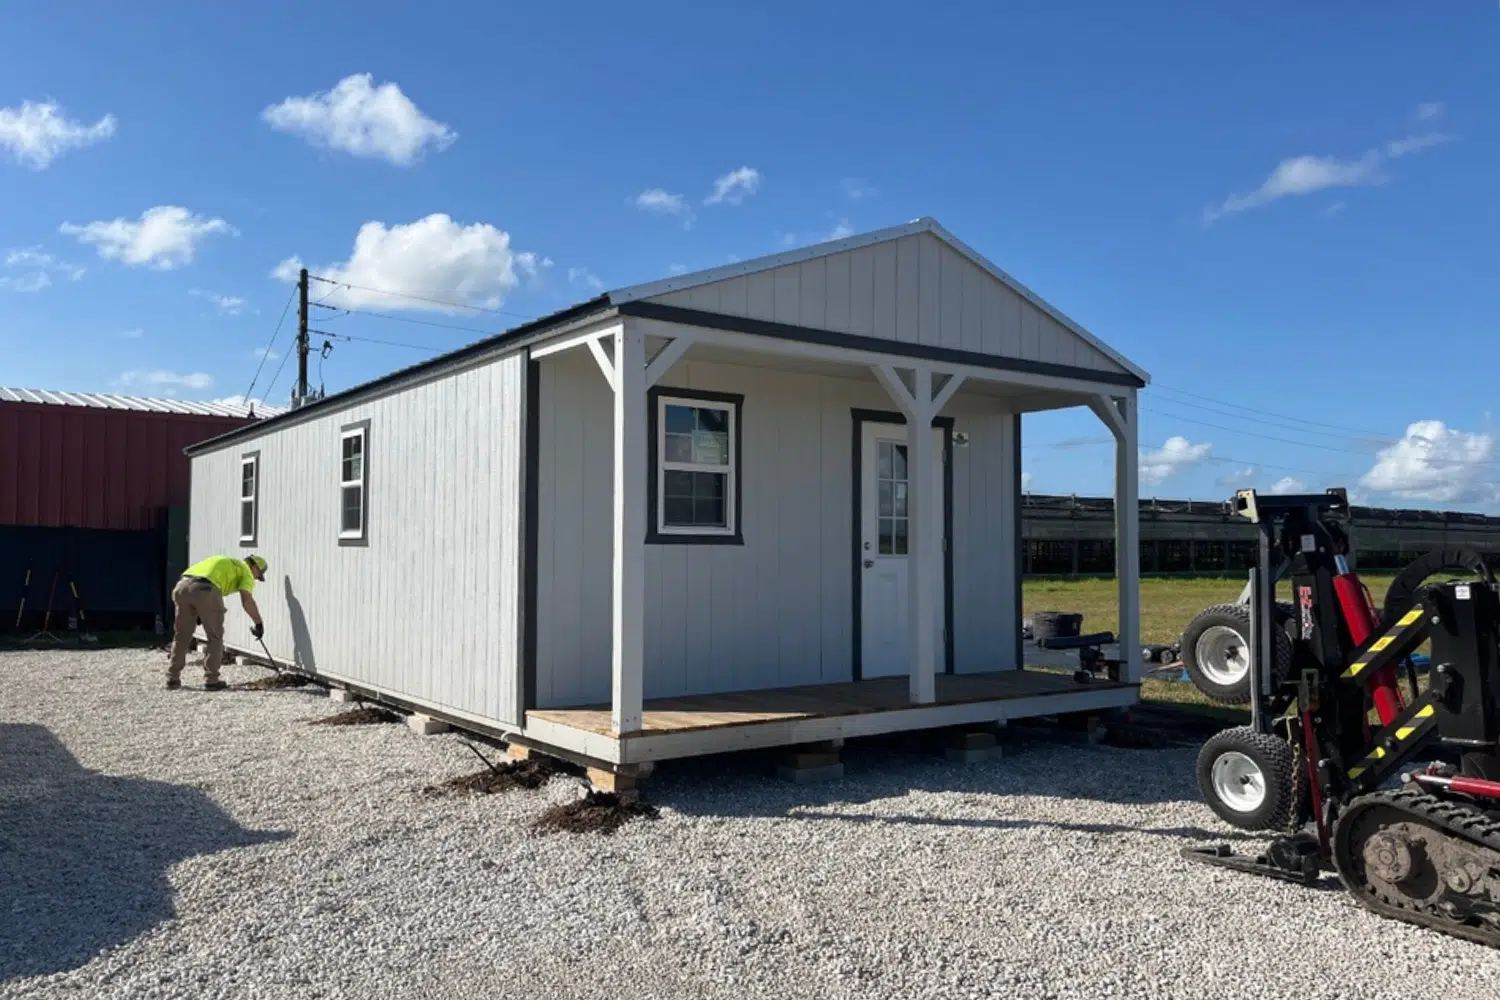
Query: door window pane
{"type": "Point", "coordinates": [890, 500]}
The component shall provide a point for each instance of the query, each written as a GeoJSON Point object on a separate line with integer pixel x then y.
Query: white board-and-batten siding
{"type": "Point", "coordinates": [777, 610]}
{"type": "Point", "coordinates": [915, 290]}
{"type": "Point", "coordinates": [429, 608]}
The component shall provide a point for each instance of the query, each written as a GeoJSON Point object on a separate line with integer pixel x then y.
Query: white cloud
{"type": "Point", "coordinates": [36, 269]}
{"type": "Point", "coordinates": [1240, 478]}
{"type": "Point", "coordinates": [1429, 111]}
{"type": "Point", "coordinates": [1025, 482]}
{"type": "Point", "coordinates": [839, 232]}
{"type": "Point", "coordinates": [1302, 175]}
{"type": "Point", "coordinates": [229, 305]}
{"type": "Point", "coordinates": [585, 278]}
{"type": "Point", "coordinates": [734, 187]}
{"type": "Point", "coordinates": [134, 334]}
{"type": "Point", "coordinates": [677, 269]}
{"type": "Point", "coordinates": [253, 402]}
{"type": "Point", "coordinates": [1332, 210]}
{"type": "Point", "coordinates": [165, 237]}
{"type": "Point", "coordinates": [1176, 454]}
{"type": "Point", "coordinates": [36, 134]}
{"type": "Point", "coordinates": [266, 354]}
{"type": "Point", "coordinates": [434, 258]}
{"type": "Point", "coordinates": [361, 119]}
{"type": "Point", "coordinates": [857, 189]}
{"type": "Point", "coordinates": [1286, 485]}
{"type": "Point", "coordinates": [663, 202]}
{"type": "Point", "coordinates": [1436, 463]}
{"type": "Point", "coordinates": [159, 379]}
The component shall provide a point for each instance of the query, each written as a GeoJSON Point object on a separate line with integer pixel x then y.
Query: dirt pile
{"type": "Point", "coordinates": [358, 717]}
{"type": "Point", "coordinates": [597, 812]}
{"type": "Point", "coordinates": [273, 682]}
{"type": "Point", "coordinates": [505, 777]}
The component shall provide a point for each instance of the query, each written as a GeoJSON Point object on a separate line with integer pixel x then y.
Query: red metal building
{"type": "Point", "coordinates": [94, 488]}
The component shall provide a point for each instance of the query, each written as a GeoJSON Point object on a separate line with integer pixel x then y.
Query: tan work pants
{"type": "Point", "coordinates": [197, 600]}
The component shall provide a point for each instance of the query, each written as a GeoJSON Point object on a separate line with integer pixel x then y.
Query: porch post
{"type": "Point", "coordinates": [628, 667]}
{"type": "Point", "coordinates": [922, 541]}
{"type": "Point", "coordinates": [1128, 538]}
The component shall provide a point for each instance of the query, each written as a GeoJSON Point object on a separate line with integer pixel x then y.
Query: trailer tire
{"type": "Point", "coordinates": [1249, 779]}
{"type": "Point", "coordinates": [1216, 651]}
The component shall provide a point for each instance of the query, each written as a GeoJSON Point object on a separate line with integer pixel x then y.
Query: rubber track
{"type": "Point", "coordinates": [1459, 821]}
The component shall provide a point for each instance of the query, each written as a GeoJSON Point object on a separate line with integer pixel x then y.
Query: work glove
{"type": "Point", "coordinates": [257, 630]}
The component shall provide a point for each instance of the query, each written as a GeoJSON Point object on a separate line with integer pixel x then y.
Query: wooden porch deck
{"type": "Point", "coordinates": [674, 727]}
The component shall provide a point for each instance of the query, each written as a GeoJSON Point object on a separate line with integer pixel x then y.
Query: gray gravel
{"type": "Point", "coordinates": [186, 844]}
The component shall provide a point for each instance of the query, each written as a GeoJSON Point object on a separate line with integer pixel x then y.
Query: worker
{"type": "Point", "coordinates": [199, 597]}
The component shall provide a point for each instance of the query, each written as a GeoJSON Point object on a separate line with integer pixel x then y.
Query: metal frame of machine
{"type": "Point", "coordinates": [1331, 727]}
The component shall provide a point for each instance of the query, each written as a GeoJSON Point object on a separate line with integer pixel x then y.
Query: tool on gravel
{"type": "Point", "coordinates": [1332, 725]}
{"type": "Point", "coordinates": [82, 625]}
{"type": "Point", "coordinates": [43, 633]}
{"type": "Point", "coordinates": [25, 589]}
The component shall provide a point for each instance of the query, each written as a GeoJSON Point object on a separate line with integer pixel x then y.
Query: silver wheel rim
{"type": "Point", "coordinates": [1223, 655]}
{"type": "Point", "coordinates": [1238, 782]}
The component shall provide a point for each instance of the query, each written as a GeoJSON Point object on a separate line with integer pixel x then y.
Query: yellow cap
{"type": "Point", "coordinates": [258, 562]}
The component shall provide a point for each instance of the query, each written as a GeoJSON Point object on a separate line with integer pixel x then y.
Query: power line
{"type": "Point", "coordinates": [1264, 413]}
{"type": "Point", "coordinates": [1289, 423]}
{"type": "Point", "coordinates": [419, 298]}
{"type": "Point", "coordinates": [278, 374]}
{"type": "Point", "coordinates": [267, 353]}
{"type": "Point", "coordinates": [344, 310]}
{"type": "Point", "coordinates": [372, 340]}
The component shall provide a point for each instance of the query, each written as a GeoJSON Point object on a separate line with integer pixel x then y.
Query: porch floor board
{"type": "Point", "coordinates": [884, 694]}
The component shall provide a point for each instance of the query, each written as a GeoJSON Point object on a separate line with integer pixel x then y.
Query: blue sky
{"type": "Point", "coordinates": [1285, 212]}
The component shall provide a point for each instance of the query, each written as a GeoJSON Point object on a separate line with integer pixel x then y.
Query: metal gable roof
{"type": "Point", "coordinates": [925, 224]}
{"type": "Point", "coordinates": [140, 404]}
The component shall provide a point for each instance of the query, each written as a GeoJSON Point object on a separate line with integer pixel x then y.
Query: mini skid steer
{"type": "Point", "coordinates": [1353, 761]}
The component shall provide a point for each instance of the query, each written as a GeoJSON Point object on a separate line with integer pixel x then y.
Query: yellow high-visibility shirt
{"type": "Point", "coordinates": [229, 574]}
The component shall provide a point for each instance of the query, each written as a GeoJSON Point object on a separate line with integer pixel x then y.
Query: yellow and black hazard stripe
{"type": "Point", "coordinates": [1406, 731]}
{"type": "Point", "coordinates": [1405, 623]}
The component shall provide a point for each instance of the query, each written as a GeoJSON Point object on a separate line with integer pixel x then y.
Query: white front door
{"type": "Point", "coordinates": [885, 535]}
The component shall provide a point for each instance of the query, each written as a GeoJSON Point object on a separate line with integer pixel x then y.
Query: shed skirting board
{"type": "Point", "coordinates": [638, 749]}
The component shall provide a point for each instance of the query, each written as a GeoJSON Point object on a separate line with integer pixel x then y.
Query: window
{"type": "Point", "coordinates": [249, 497]}
{"type": "Point", "coordinates": [891, 481]}
{"type": "Point", "coordinates": [353, 479]}
{"type": "Point", "coordinates": [694, 489]}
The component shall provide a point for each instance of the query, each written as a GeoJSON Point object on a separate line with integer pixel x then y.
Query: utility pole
{"type": "Point", "coordinates": [299, 396]}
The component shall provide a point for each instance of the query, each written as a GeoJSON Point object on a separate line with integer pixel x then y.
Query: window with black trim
{"type": "Point", "coordinates": [353, 482]}
{"type": "Point", "coordinates": [695, 453]}
{"type": "Point", "coordinates": [249, 497]}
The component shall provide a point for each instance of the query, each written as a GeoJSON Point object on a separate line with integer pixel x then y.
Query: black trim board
{"type": "Point", "coordinates": [860, 418]}
{"type": "Point", "coordinates": [643, 309]}
{"type": "Point", "coordinates": [737, 400]}
{"type": "Point", "coordinates": [530, 515]}
{"type": "Point", "coordinates": [363, 539]}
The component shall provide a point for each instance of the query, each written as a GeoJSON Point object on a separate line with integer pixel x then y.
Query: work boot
{"type": "Point", "coordinates": [214, 685]}
{"type": "Point", "coordinates": [173, 684]}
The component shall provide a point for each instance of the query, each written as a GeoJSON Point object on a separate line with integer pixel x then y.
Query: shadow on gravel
{"type": "Point", "coordinates": [84, 856]}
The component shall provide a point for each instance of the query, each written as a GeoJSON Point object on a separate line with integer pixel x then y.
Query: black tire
{"type": "Point", "coordinates": [1055, 624]}
{"type": "Point", "coordinates": [1208, 628]}
{"type": "Point", "coordinates": [1255, 757]}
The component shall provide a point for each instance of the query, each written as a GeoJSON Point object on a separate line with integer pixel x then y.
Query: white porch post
{"type": "Point", "coordinates": [1121, 416]}
{"type": "Point", "coordinates": [628, 667]}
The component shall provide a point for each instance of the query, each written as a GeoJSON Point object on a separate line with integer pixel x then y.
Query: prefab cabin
{"type": "Point", "coordinates": [688, 516]}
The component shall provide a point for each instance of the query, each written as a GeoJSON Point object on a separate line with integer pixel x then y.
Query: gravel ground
{"type": "Point", "coordinates": [186, 844]}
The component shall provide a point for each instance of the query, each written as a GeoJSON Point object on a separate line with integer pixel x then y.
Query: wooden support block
{"type": "Point", "coordinates": [516, 751]}
{"type": "Point", "coordinates": [809, 775]}
{"type": "Point", "coordinates": [340, 694]}
{"type": "Point", "coordinates": [425, 725]}
{"type": "Point", "coordinates": [623, 785]}
{"type": "Point", "coordinates": [972, 739]}
{"type": "Point", "coordinates": [803, 759]}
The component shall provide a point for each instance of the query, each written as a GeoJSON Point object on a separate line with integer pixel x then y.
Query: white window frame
{"type": "Point", "coordinates": [251, 459]}
{"type": "Point", "coordinates": [731, 482]}
{"type": "Point", "coordinates": [361, 431]}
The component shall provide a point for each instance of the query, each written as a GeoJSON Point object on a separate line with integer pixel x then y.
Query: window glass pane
{"type": "Point", "coordinates": [678, 511]}
{"type": "Point", "coordinates": [677, 484]}
{"type": "Point", "coordinates": [353, 508]}
{"type": "Point", "coordinates": [710, 449]}
{"type": "Point", "coordinates": [712, 420]}
{"type": "Point", "coordinates": [679, 448]}
{"type": "Point", "coordinates": [887, 533]}
{"type": "Point", "coordinates": [708, 484]}
{"type": "Point", "coordinates": [353, 468]}
{"type": "Point", "coordinates": [898, 466]}
{"type": "Point", "coordinates": [680, 419]}
{"type": "Point", "coordinates": [885, 503]}
{"type": "Point", "coordinates": [247, 520]}
{"type": "Point", "coordinates": [900, 549]}
{"type": "Point", "coordinates": [709, 511]}
{"type": "Point", "coordinates": [899, 508]}
{"type": "Point", "coordinates": [884, 450]}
